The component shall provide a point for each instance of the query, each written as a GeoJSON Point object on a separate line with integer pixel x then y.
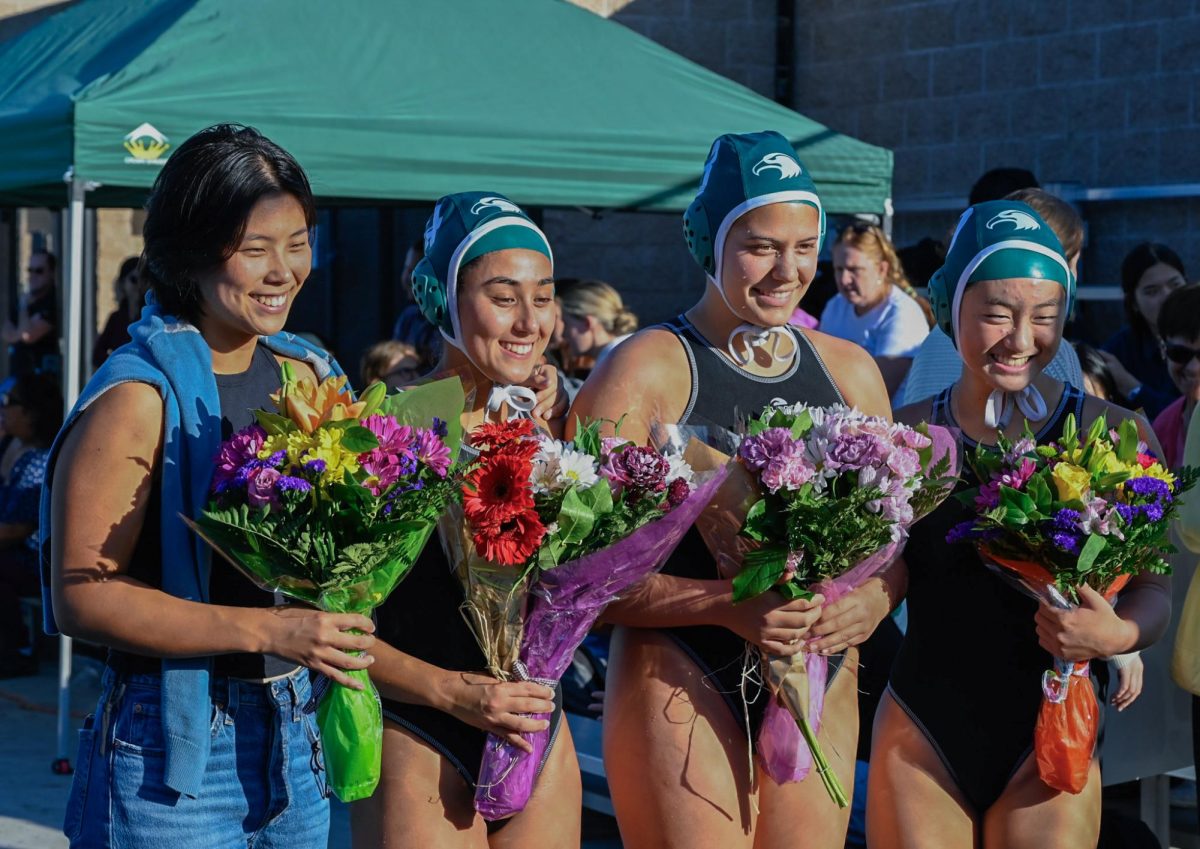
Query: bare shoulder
{"type": "Point", "coordinates": [126, 422]}
{"type": "Point", "coordinates": [646, 378]}
{"type": "Point", "coordinates": [854, 371]}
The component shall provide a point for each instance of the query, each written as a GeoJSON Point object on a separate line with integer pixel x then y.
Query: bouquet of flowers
{"type": "Point", "coordinates": [548, 534]}
{"type": "Point", "coordinates": [1091, 509]}
{"type": "Point", "coordinates": [329, 502]}
{"type": "Point", "coordinates": [826, 498]}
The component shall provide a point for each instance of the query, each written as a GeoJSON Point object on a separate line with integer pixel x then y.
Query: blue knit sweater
{"type": "Point", "coordinates": [172, 356]}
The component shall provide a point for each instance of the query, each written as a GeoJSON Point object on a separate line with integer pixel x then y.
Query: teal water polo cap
{"type": "Point", "coordinates": [997, 240]}
{"type": "Point", "coordinates": [744, 172]}
{"type": "Point", "coordinates": [463, 227]}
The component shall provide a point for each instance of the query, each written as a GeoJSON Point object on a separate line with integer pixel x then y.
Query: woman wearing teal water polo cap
{"type": "Point", "coordinates": [486, 282]}
{"type": "Point", "coordinates": [675, 738]}
{"type": "Point", "coordinates": [951, 763]}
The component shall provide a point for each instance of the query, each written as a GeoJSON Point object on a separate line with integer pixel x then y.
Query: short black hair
{"type": "Point", "coordinates": [1000, 183]}
{"type": "Point", "coordinates": [197, 211]}
{"type": "Point", "coordinates": [1180, 313]}
{"type": "Point", "coordinates": [1136, 263]}
{"type": "Point", "coordinates": [1093, 365]}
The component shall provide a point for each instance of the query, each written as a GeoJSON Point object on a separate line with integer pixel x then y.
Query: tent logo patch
{"type": "Point", "coordinates": [494, 203]}
{"type": "Point", "coordinates": [1018, 219]}
{"type": "Point", "coordinates": [145, 146]}
{"type": "Point", "coordinates": [781, 162]}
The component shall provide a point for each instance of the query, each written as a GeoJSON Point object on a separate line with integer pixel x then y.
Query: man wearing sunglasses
{"type": "Point", "coordinates": [1179, 335]}
{"type": "Point", "coordinates": [33, 340]}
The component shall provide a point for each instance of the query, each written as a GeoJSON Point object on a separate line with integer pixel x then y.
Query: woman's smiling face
{"type": "Point", "coordinates": [769, 260]}
{"type": "Point", "coordinates": [506, 312]}
{"type": "Point", "coordinates": [1009, 330]}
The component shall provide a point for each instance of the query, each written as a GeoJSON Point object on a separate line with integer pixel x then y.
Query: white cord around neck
{"type": "Point", "coordinates": [753, 336]}
{"type": "Point", "coordinates": [997, 413]}
{"type": "Point", "coordinates": [520, 401]}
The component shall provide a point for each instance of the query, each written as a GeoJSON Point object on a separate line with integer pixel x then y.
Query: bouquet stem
{"type": "Point", "coordinates": [828, 777]}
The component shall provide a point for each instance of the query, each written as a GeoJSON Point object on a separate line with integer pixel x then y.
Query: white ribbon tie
{"type": "Point", "coordinates": [520, 401]}
{"type": "Point", "coordinates": [999, 409]}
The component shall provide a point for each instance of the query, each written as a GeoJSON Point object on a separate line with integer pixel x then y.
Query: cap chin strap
{"type": "Point", "coordinates": [752, 336]}
{"type": "Point", "coordinates": [999, 409]}
{"type": "Point", "coordinates": [520, 401]}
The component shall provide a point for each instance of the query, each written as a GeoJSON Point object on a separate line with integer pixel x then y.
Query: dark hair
{"type": "Point", "coordinates": [39, 394]}
{"type": "Point", "coordinates": [1000, 183]}
{"type": "Point", "coordinates": [1096, 367]}
{"type": "Point", "coordinates": [1136, 263]}
{"type": "Point", "coordinates": [1060, 215]}
{"type": "Point", "coordinates": [197, 211]}
{"type": "Point", "coordinates": [1180, 313]}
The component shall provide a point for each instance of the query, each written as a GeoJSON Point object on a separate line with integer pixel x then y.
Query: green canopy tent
{"type": "Point", "coordinates": [381, 102]}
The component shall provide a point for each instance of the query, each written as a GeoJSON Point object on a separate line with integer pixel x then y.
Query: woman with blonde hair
{"type": "Point", "coordinates": [875, 306]}
{"type": "Point", "coordinates": [595, 319]}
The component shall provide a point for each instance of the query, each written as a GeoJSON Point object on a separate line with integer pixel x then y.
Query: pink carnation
{"type": "Point", "coordinates": [788, 469]}
{"type": "Point", "coordinates": [260, 487]}
{"type": "Point", "coordinates": [236, 451]}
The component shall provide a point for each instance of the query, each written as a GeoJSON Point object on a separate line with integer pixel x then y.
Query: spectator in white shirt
{"type": "Point", "coordinates": [875, 307]}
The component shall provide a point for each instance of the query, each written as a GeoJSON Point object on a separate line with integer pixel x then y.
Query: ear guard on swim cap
{"type": "Point", "coordinates": [744, 172]}
{"type": "Point", "coordinates": [430, 296]}
{"type": "Point", "coordinates": [997, 240]}
{"type": "Point", "coordinates": [463, 227]}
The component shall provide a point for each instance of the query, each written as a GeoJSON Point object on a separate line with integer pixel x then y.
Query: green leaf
{"type": "Point", "coordinates": [792, 591]}
{"type": "Point", "coordinates": [587, 436]}
{"type": "Point", "coordinates": [801, 424]}
{"type": "Point", "coordinates": [1107, 482]}
{"type": "Point", "coordinates": [759, 524]}
{"type": "Point", "coordinates": [358, 439]}
{"type": "Point", "coordinates": [1091, 550]}
{"type": "Point", "coordinates": [1040, 492]}
{"type": "Point", "coordinates": [1127, 441]}
{"type": "Point", "coordinates": [419, 405]}
{"type": "Point", "coordinates": [1098, 430]}
{"type": "Point", "coordinates": [597, 498]}
{"type": "Point", "coordinates": [1014, 499]}
{"type": "Point", "coordinates": [575, 519]}
{"type": "Point", "coordinates": [761, 570]}
{"type": "Point", "coordinates": [273, 423]}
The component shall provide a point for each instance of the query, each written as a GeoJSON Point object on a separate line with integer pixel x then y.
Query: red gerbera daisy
{"type": "Point", "coordinates": [511, 542]}
{"type": "Point", "coordinates": [498, 489]}
{"type": "Point", "coordinates": [489, 437]}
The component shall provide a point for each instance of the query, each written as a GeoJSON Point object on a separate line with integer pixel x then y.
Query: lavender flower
{"type": "Point", "coordinates": [757, 451]}
{"type": "Point", "coordinates": [260, 487]}
{"type": "Point", "coordinates": [1148, 487]}
{"type": "Point", "coordinates": [289, 483]}
{"type": "Point", "coordinates": [236, 451]}
{"type": "Point", "coordinates": [962, 532]}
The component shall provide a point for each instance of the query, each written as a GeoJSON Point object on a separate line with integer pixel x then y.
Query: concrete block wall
{"type": "Point", "coordinates": [1098, 93]}
{"type": "Point", "coordinates": [643, 254]}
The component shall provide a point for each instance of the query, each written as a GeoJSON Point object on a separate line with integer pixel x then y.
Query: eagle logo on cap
{"type": "Point", "coordinates": [1018, 219]}
{"type": "Point", "coordinates": [781, 162]}
{"type": "Point", "coordinates": [494, 203]}
{"type": "Point", "coordinates": [431, 228]}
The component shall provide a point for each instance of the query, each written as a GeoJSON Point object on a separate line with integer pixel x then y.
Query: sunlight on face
{"type": "Point", "coordinates": [1010, 329]}
{"type": "Point", "coordinates": [506, 312]}
{"type": "Point", "coordinates": [769, 260]}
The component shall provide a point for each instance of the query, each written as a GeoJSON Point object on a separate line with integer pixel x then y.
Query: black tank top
{"type": "Point", "coordinates": [239, 395]}
{"type": "Point", "coordinates": [722, 393]}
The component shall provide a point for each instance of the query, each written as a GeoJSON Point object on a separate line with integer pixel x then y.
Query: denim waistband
{"type": "Point", "coordinates": [291, 691]}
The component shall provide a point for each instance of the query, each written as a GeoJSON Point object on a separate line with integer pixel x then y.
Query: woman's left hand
{"type": "Point", "coordinates": [552, 400]}
{"type": "Point", "coordinates": [1091, 630]}
{"type": "Point", "coordinates": [851, 619]}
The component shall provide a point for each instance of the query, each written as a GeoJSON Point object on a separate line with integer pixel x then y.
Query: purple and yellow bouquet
{"type": "Point", "coordinates": [330, 501]}
{"type": "Point", "coordinates": [828, 497]}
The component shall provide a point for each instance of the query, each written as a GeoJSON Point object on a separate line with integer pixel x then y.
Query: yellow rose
{"type": "Point", "coordinates": [1071, 482]}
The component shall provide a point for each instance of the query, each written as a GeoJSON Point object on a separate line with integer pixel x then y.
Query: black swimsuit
{"type": "Point", "coordinates": [423, 618]}
{"type": "Point", "coordinates": [720, 393]}
{"type": "Point", "coordinates": [969, 673]}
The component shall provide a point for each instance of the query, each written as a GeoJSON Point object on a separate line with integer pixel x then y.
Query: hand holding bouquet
{"type": "Point", "coordinates": [549, 533]}
{"type": "Point", "coordinates": [833, 493]}
{"type": "Point", "coordinates": [1087, 509]}
{"type": "Point", "coordinates": [330, 502]}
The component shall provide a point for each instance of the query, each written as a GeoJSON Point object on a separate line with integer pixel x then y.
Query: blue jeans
{"type": "Point", "coordinates": [264, 784]}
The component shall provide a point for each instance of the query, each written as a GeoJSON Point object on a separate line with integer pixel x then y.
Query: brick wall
{"type": "Point", "coordinates": [643, 254]}
{"type": "Point", "coordinates": [1097, 93]}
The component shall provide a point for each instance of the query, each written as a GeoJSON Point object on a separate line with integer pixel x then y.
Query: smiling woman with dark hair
{"type": "Point", "coordinates": [200, 737]}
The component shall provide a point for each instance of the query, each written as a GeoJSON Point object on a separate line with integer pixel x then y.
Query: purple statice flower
{"type": "Point", "coordinates": [756, 451]}
{"type": "Point", "coordinates": [1066, 519]}
{"type": "Point", "coordinates": [788, 469]}
{"type": "Point", "coordinates": [236, 451]}
{"type": "Point", "coordinates": [1148, 487]}
{"type": "Point", "coordinates": [1127, 512]}
{"type": "Point", "coordinates": [1066, 541]}
{"type": "Point", "coordinates": [988, 497]}
{"type": "Point", "coordinates": [290, 483]}
{"type": "Point", "coordinates": [394, 457]}
{"type": "Point", "coordinates": [962, 532]}
{"type": "Point", "coordinates": [677, 492]}
{"type": "Point", "coordinates": [260, 487]}
{"type": "Point", "coordinates": [440, 427]}
{"type": "Point", "coordinates": [277, 459]}
{"type": "Point", "coordinates": [433, 452]}
{"type": "Point", "coordinates": [1153, 511]}
{"type": "Point", "coordinates": [315, 467]}
{"type": "Point", "coordinates": [644, 469]}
